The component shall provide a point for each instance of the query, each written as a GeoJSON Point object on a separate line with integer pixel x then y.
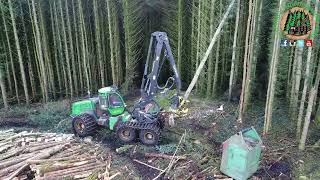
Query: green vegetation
{"type": "Point", "coordinates": [52, 116]}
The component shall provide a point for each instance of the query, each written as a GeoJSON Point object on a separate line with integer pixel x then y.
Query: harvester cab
{"type": "Point", "coordinates": [110, 101]}
{"type": "Point", "coordinates": [108, 109]}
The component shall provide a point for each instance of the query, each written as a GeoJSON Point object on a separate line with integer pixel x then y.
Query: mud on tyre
{"type": "Point", "coordinates": [150, 135]}
{"type": "Point", "coordinates": [84, 125]}
{"type": "Point", "coordinates": [126, 134]}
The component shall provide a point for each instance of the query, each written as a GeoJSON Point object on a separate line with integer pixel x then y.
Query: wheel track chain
{"type": "Point", "coordinates": [143, 126]}
{"type": "Point", "coordinates": [89, 122]}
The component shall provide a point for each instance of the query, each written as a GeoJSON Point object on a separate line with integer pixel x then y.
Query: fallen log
{"type": "Point", "coordinates": [75, 175]}
{"type": "Point", "coordinates": [165, 156]}
{"type": "Point", "coordinates": [49, 155]}
{"type": "Point", "coordinates": [42, 169]}
{"type": "Point", "coordinates": [72, 149]}
{"type": "Point", "coordinates": [41, 147]}
{"type": "Point", "coordinates": [6, 131]}
{"type": "Point", "coordinates": [15, 160]}
{"type": "Point", "coordinates": [11, 154]}
{"type": "Point", "coordinates": [6, 136]}
{"type": "Point", "coordinates": [28, 150]}
{"type": "Point", "coordinates": [10, 169]}
{"type": "Point", "coordinates": [42, 155]}
{"type": "Point", "coordinates": [17, 172]}
{"type": "Point", "coordinates": [19, 135]}
{"type": "Point", "coordinates": [71, 152]}
{"type": "Point", "coordinates": [71, 159]}
{"type": "Point", "coordinates": [21, 177]}
{"type": "Point", "coordinates": [65, 172]}
{"type": "Point", "coordinates": [5, 148]}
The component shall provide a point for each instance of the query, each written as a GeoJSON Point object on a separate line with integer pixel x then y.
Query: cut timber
{"type": "Point", "coordinates": [70, 159]}
{"type": "Point", "coordinates": [10, 169]}
{"type": "Point", "coordinates": [15, 173]}
{"type": "Point", "coordinates": [76, 175]}
{"type": "Point", "coordinates": [66, 172]}
{"type": "Point", "coordinates": [49, 156]}
{"type": "Point", "coordinates": [15, 160]}
{"type": "Point", "coordinates": [206, 55]}
{"type": "Point", "coordinates": [5, 148]}
{"type": "Point", "coordinates": [11, 154]}
{"type": "Point", "coordinates": [46, 168]}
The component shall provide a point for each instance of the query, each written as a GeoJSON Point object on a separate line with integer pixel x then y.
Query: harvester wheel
{"type": "Point", "coordinates": [84, 125]}
{"type": "Point", "coordinates": [149, 136]}
{"type": "Point", "coordinates": [126, 134]}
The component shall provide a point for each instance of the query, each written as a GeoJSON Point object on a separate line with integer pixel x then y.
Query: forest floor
{"type": "Point", "coordinates": [196, 138]}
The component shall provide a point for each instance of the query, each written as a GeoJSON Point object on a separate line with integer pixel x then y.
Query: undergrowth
{"type": "Point", "coordinates": [52, 116]}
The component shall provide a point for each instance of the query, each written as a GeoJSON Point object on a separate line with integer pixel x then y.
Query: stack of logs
{"type": "Point", "coordinates": [28, 155]}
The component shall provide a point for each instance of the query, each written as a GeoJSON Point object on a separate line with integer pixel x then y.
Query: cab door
{"type": "Point", "coordinates": [116, 104]}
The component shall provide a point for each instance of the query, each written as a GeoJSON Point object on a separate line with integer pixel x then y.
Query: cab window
{"type": "Point", "coordinates": [103, 101]}
{"type": "Point", "coordinates": [115, 100]}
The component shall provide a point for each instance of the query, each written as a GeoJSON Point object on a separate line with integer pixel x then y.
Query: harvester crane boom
{"type": "Point", "coordinates": [159, 43]}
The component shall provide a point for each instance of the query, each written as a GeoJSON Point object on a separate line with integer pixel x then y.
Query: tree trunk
{"type": "Point", "coordinates": [83, 44]}
{"type": "Point", "coordinates": [10, 52]}
{"type": "Point", "coordinates": [66, 50]}
{"type": "Point", "coordinates": [3, 90]}
{"type": "Point", "coordinates": [198, 41]}
{"type": "Point", "coordinates": [98, 41]}
{"type": "Point", "coordinates": [245, 65]}
{"type": "Point", "coordinates": [31, 76]}
{"type": "Point", "coordinates": [193, 27]}
{"type": "Point", "coordinates": [210, 63]}
{"type": "Point", "coordinates": [289, 76]}
{"type": "Point", "coordinates": [272, 79]}
{"type": "Point", "coordinates": [180, 31]}
{"type": "Point", "coordinates": [113, 63]}
{"type": "Point", "coordinates": [216, 69]}
{"type": "Point", "coordinates": [234, 51]}
{"type": "Point", "coordinates": [39, 52]}
{"type": "Point", "coordinates": [251, 64]}
{"type": "Point", "coordinates": [23, 74]}
{"type": "Point", "coordinates": [46, 53]}
{"type": "Point", "coordinates": [204, 59]}
{"type": "Point", "coordinates": [60, 62]}
{"type": "Point", "coordinates": [8, 71]}
{"type": "Point", "coordinates": [296, 83]}
{"type": "Point", "coordinates": [70, 38]}
{"type": "Point", "coordinates": [306, 80]}
{"type": "Point", "coordinates": [307, 118]}
{"type": "Point", "coordinates": [117, 51]}
{"type": "Point", "coordinates": [56, 50]}
{"type": "Point", "coordinates": [104, 45]}
{"type": "Point", "coordinates": [75, 20]}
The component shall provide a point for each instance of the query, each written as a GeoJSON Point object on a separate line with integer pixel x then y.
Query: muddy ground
{"type": "Point", "coordinates": [204, 129]}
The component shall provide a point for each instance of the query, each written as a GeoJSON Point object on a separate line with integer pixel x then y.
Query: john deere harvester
{"type": "Point", "coordinates": [142, 122]}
